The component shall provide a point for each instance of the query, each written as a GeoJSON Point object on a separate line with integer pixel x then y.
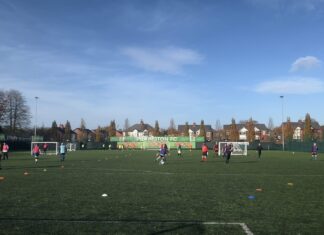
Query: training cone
{"type": "Point", "coordinates": [290, 184]}
{"type": "Point", "coordinates": [44, 170]}
{"type": "Point", "coordinates": [2, 178]}
{"type": "Point", "coordinates": [104, 195]}
{"type": "Point", "coordinates": [25, 173]}
{"type": "Point", "coordinates": [258, 189]}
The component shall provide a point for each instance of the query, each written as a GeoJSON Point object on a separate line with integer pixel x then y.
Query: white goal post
{"type": "Point", "coordinates": [71, 147]}
{"type": "Point", "coordinates": [239, 148]}
{"type": "Point", "coordinates": [52, 147]}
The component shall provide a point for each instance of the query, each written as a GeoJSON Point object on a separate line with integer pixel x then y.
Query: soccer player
{"type": "Point", "coordinates": [5, 150]}
{"type": "Point", "coordinates": [314, 151]}
{"type": "Point", "coordinates": [228, 152]}
{"type": "Point", "coordinates": [62, 152]}
{"type": "Point", "coordinates": [179, 150]}
{"type": "Point", "coordinates": [36, 152]}
{"type": "Point", "coordinates": [224, 150]}
{"type": "Point", "coordinates": [259, 150]}
{"type": "Point", "coordinates": [216, 149]}
{"type": "Point", "coordinates": [163, 153]}
{"type": "Point", "coordinates": [204, 151]}
{"type": "Point", "coordinates": [45, 147]}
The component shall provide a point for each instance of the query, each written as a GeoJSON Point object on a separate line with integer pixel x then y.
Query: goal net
{"type": "Point", "coordinates": [239, 148]}
{"type": "Point", "coordinates": [71, 147]}
{"type": "Point", "coordinates": [52, 147]}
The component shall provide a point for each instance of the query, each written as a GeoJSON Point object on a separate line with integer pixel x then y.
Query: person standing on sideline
{"type": "Point", "coordinates": [62, 152]}
{"type": "Point", "coordinates": [314, 151]}
{"type": "Point", "coordinates": [228, 152]}
{"type": "Point", "coordinates": [204, 151]}
{"type": "Point", "coordinates": [259, 149]}
{"type": "Point", "coordinates": [5, 150]}
{"type": "Point", "coordinates": [36, 152]}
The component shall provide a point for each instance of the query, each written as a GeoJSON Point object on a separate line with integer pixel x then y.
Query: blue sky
{"type": "Point", "coordinates": [155, 60]}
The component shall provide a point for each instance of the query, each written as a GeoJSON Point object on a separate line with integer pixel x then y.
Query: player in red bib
{"type": "Point", "coordinates": [36, 152]}
{"type": "Point", "coordinates": [5, 150]}
{"type": "Point", "coordinates": [45, 147]}
{"type": "Point", "coordinates": [204, 150]}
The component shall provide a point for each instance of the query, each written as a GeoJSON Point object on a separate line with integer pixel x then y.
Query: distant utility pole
{"type": "Point", "coordinates": [282, 125]}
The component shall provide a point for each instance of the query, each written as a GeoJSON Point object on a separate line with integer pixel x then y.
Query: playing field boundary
{"type": "Point", "coordinates": [244, 227]}
{"type": "Point", "coordinates": [110, 171]}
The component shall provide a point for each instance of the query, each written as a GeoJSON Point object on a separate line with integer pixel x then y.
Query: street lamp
{"type": "Point", "coordinates": [36, 98]}
{"type": "Point", "coordinates": [282, 125]}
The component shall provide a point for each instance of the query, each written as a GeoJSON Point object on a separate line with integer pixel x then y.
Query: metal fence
{"type": "Point", "coordinates": [292, 146]}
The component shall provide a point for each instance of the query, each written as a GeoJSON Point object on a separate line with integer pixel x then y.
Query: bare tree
{"type": "Point", "coordinates": [67, 131]}
{"type": "Point", "coordinates": [289, 132]}
{"type": "Point", "coordinates": [2, 106]}
{"type": "Point", "coordinates": [186, 129]}
{"type": "Point", "coordinates": [156, 131]}
{"type": "Point", "coordinates": [83, 135]}
{"type": "Point", "coordinates": [218, 125]}
{"type": "Point", "coordinates": [234, 133]}
{"type": "Point", "coordinates": [98, 135]}
{"type": "Point", "coordinates": [54, 132]}
{"type": "Point", "coordinates": [112, 128]}
{"type": "Point", "coordinates": [251, 131]}
{"type": "Point", "coordinates": [17, 114]}
{"type": "Point", "coordinates": [126, 126]}
{"type": "Point", "coordinates": [172, 128]}
{"type": "Point", "coordinates": [202, 129]}
{"type": "Point", "coordinates": [308, 128]}
{"type": "Point", "coordinates": [218, 130]}
{"type": "Point", "coordinates": [270, 124]}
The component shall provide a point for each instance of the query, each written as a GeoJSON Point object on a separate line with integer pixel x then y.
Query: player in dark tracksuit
{"type": "Point", "coordinates": [228, 152]}
{"type": "Point", "coordinates": [259, 149]}
{"type": "Point", "coordinates": [314, 151]}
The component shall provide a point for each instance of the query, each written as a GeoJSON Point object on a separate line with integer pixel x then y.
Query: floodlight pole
{"type": "Point", "coordinates": [36, 98]}
{"type": "Point", "coordinates": [282, 125]}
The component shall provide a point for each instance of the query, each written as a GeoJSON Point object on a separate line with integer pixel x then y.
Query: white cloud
{"type": "Point", "coordinates": [291, 86]}
{"type": "Point", "coordinates": [289, 5]}
{"type": "Point", "coordinates": [307, 62]}
{"type": "Point", "coordinates": [167, 60]}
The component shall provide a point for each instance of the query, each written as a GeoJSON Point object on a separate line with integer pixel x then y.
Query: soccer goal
{"type": "Point", "coordinates": [239, 148]}
{"type": "Point", "coordinates": [71, 147]}
{"type": "Point", "coordinates": [52, 147]}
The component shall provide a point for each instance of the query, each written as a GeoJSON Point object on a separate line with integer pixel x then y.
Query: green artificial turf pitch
{"type": "Point", "coordinates": [179, 197]}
